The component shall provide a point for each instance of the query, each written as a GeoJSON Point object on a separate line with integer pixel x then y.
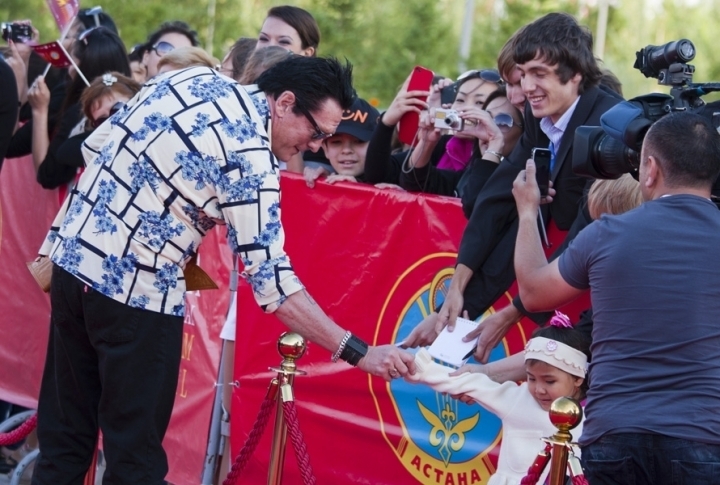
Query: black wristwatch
{"type": "Point", "coordinates": [355, 349]}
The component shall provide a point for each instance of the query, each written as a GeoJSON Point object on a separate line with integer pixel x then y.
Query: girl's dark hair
{"type": "Point", "coordinates": [300, 20]}
{"type": "Point", "coordinates": [87, 18]}
{"type": "Point", "coordinates": [99, 51]}
{"type": "Point", "coordinates": [240, 53]}
{"type": "Point", "coordinates": [572, 337]}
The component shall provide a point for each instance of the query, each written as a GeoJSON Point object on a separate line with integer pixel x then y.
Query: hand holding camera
{"type": "Point", "coordinates": [18, 32]}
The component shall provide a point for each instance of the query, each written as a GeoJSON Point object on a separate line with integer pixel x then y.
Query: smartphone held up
{"type": "Point", "coordinates": [420, 80]}
{"type": "Point", "coordinates": [542, 158]}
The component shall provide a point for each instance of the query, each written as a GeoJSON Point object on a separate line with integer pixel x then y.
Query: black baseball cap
{"type": "Point", "coordinates": [359, 121]}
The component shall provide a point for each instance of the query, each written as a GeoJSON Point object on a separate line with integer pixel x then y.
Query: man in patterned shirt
{"type": "Point", "coordinates": [191, 150]}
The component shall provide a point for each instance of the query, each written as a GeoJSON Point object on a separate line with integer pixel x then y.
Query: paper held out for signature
{"type": "Point", "coordinates": [449, 346]}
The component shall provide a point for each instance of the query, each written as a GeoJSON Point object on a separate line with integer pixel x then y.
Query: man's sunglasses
{"type": "Point", "coordinates": [319, 134]}
{"type": "Point", "coordinates": [488, 75]}
{"type": "Point", "coordinates": [115, 108]}
{"type": "Point", "coordinates": [162, 48]}
{"type": "Point", "coordinates": [505, 122]}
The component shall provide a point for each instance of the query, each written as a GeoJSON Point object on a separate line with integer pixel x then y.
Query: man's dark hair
{"type": "Point", "coordinates": [312, 80]}
{"type": "Point", "coordinates": [174, 27]}
{"type": "Point", "coordinates": [300, 20]}
{"type": "Point", "coordinates": [687, 147]}
{"type": "Point", "coordinates": [559, 40]}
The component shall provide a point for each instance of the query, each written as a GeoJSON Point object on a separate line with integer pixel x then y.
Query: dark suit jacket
{"type": "Point", "coordinates": [488, 244]}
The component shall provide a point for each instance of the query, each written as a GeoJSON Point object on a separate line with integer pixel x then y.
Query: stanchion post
{"type": "Point", "coordinates": [565, 414]}
{"type": "Point", "coordinates": [291, 347]}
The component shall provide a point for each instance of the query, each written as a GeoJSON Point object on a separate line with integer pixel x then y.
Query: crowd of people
{"type": "Point", "coordinates": [164, 142]}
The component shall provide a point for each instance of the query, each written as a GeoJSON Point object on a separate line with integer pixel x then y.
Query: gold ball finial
{"type": "Point", "coordinates": [291, 345]}
{"type": "Point", "coordinates": [565, 413]}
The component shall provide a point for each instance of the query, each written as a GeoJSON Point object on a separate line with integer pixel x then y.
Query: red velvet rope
{"type": "Point", "coordinates": [301, 454]}
{"type": "Point", "coordinates": [251, 442]}
{"type": "Point", "coordinates": [19, 433]}
{"type": "Point", "coordinates": [536, 469]}
{"type": "Point", "coordinates": [580, 480]}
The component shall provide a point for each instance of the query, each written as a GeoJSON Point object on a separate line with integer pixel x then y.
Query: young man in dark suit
{"type": "Point", "coordinates": [559, 77]}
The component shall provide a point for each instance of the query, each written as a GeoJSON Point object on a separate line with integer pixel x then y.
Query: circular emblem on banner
{"type": "Point", "coordinates": [54, 55]}
{"type": "Point", "coordinates": [437, 439]}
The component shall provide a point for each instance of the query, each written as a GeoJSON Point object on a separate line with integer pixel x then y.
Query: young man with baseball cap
{"type": "Point", "coordinates": [347, 147]}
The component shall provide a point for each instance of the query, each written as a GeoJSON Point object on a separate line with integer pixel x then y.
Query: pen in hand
{"type": "Point", "coordinates": [469, 354]}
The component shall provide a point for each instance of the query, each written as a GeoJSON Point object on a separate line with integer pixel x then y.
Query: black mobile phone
{"type": "Point", "coordinates": [542, 157]}
{"type": "Point", "coordinates": [448, 94]}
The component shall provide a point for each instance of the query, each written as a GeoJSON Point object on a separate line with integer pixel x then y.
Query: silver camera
{"type": "Point", "coordinates": [448, 119]}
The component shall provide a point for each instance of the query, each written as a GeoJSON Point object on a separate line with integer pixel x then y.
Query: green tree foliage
{"type": "Point", "coordinates": [385, 39]}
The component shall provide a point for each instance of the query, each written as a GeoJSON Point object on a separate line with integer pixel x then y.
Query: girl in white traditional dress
{"type": "Point", "coordinates": [556, 364]}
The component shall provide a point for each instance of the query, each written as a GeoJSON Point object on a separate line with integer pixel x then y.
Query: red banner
{"type": "Point", "coordinates": [26, 212]}
{"type": "Point", "coordinates": [377, 262]}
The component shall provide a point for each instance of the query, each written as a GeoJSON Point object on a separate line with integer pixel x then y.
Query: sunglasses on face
{"type": "Point", "coordinates": [505, 122]}
{"type": "Point", "coordinates": [488, 75]}
{"type": "Point", "coordinates": [319, 134]}
{"type": "Point", "coordinates": [115, 108]}
{"type": "Point", "coordinates": [162, 48]}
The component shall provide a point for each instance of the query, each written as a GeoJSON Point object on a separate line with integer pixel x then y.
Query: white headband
{"type": "Point", "coordinates": [557, 354]}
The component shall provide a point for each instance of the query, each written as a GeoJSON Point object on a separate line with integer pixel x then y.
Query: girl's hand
{"type": "Point", "coordinates": [434, 99]}
{"type": "Point", "coordinates": [19, 67]}
{"type": "Point", "coordinates": [479, 123]}
{"type": "Point", "coordinates": [426, 128]}
{"type": "Point", "coordinates": [311, 174]}
{"type": "Point", "coordinates": [340, 178]}
{"type": "Point", "coordinates": [39, 95]}
{"type": "Point", "coordinates": [386, 186]}
{"type": "Point", "coordinates": [405, 102]}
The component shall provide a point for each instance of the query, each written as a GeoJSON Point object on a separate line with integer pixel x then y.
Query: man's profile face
{"type": "Point", "coordinates": [293, 133]}
{"type": "Point", "coordinates": [544, 91]}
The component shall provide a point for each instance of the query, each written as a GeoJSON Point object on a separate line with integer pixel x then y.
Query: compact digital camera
{"type": "Point", "coordinates": [16, 32]}
{"type": "Point", "coordinates": [448, 119]}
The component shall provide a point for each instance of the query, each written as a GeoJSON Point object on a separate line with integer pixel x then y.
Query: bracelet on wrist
{"type": "Point", "coordinates": [340, 349]}
{"type": "Point", "coordinates": [354, 350]}
{"type": "Point", "coordinates": [499, 155]}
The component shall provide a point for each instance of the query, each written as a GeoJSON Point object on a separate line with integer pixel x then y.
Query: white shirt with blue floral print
{"type": "Point", "coordinates": [190, 151]}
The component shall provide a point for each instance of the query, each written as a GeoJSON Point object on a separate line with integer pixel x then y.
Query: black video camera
{"type": "Point", "coordinates": [613, 149]}
{"type": "Point", "coordinates": [16, 32]}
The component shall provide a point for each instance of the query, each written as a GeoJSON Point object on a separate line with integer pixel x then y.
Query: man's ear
{"type": "Point", "coordinates": [284, 103]}
{"type": "Point", "coordinates": [653, 172]}
{"type": "Point", "coordinates": [309, 52]}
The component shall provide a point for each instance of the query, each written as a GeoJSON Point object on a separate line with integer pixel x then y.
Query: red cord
{"type": "Point", "coordinates": [251, 442]}
{"type": "Point", "coordinates": [19, 433]}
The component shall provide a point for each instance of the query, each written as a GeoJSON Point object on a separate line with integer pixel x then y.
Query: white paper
{"type": "Point", "coordinates": [449, 346]}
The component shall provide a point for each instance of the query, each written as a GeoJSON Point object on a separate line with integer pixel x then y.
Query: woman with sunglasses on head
{"type": "Point", "coordinates": [496, 128]}
{"type": "Point", "coordinates": [169, 36]}
{"type": "Point", "coordinates": [291, 28]}
{"type": "Point", "coordinates": [451, 152]}
{"type": "Point", "coordinates": [96, 52]}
